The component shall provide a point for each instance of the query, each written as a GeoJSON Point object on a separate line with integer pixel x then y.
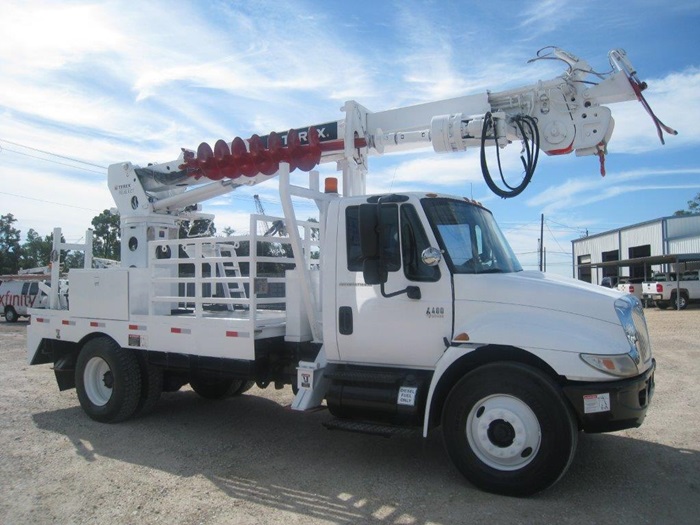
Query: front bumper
{"type": "Point", "coordinates": [611, 406]}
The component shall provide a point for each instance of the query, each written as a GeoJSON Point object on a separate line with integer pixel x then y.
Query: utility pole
{"type": "Point", "coordinates": [541, 248]}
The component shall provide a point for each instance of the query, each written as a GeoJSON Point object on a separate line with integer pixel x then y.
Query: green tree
{"type": "Point", "coordinates": [36, 251]}
{"type": "Point", "coordinates": [197, 228]}
{"type": "Point", "coordinates": [693, 207]}
{"type": "Point", "coordinates": [10, 249]}
{"type": "Point", "coordinates": [106, 241]}
{"type": "Point", "coordinates": [73, 259]}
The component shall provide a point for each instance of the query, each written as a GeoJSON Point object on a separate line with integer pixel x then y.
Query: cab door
{"type": "Point", "coordinates": [399, 331]}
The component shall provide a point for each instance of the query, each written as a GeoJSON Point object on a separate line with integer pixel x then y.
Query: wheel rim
{"type": "Point", "coordinates": [503, 432]}
{"type": "Point", "coordinates": [98, 380]}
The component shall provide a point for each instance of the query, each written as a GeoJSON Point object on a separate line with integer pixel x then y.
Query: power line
{"type": "Point", "coordinates": [52, 161]}
{"type": "Point", "coordinates": [555, 239]}
{"type": "Point", "coordinates": [53, 154]}
{"type": "Point", "coordinates": [47, 202]}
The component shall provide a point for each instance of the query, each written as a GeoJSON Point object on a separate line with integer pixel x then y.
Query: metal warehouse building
{"type": "Point", "coordinates": [635, 251]}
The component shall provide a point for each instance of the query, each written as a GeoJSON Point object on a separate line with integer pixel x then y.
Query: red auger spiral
{"type": "Point", "coordinates": [239, 159]}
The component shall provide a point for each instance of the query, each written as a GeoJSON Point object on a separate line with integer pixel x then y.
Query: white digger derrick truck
{"type": "Point", "coordinates": [399, 310]}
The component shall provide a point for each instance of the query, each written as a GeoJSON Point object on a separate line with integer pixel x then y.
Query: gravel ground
{"type": "Point", "coordinates": [251, 460]}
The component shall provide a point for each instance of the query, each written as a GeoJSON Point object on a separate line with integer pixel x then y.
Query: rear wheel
{"type": "Point", "coordinates": [508, 429]}
{"type": "Point", "coordinates": [680, 303]}
{"type": "Point", "coordinates": [661, 305]}
{"type": "Point", "coordinates": [11, 315]}
{"type": "Point", "coordinates": [151, 386]}
{"type": "Point", "coordinates": [108, 381]}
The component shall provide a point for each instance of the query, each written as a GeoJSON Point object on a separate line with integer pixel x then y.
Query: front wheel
{"type": "Point", "coordinates": [108, 380]}
{"type": "Point", "coordinates": [508, 429]}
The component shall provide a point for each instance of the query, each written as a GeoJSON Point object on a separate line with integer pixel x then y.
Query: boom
{"type": "Point", "coordinates": [558, 116]}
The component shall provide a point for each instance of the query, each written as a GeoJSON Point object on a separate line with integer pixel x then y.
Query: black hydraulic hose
{"type": "Point", "coordinates": [531, 146]}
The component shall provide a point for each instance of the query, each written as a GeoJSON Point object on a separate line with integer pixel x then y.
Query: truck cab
{"type": "Point", "coordinates": [426, 287]}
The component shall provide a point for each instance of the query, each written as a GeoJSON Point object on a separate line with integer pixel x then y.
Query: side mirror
{"type": "Point", "coordinates": [373, 273]}
{"type": "Point", "coordinates": [431, 256]}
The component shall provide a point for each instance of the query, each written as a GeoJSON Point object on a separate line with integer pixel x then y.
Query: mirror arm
{"type": "Point", "coordinates": [413, 292]}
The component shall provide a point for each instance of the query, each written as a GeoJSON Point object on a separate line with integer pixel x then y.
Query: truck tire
{"type": "Point", "coordinates": [151, 387]}
{"type": "Point", "coordinates": [11, 315]}
{"type": "Point", "coordinates": [661, 305]}
{"type": "Point", "coordinates": [680, 304]}
{"type": "Point", "coordinates": [216, 387]}
{"type": "Point", "coordinates": [508, 429]}
{"type": "Point", "coordinates": [108, 380]}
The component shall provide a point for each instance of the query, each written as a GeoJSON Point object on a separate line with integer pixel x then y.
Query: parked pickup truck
{"type": "Point", "coordinates": [631, 286]}
{"type": "Point", "coordinates": [665, 291]}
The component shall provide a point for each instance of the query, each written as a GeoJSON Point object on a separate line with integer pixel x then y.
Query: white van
{"type": "Point", "coordinates": [16, 296]}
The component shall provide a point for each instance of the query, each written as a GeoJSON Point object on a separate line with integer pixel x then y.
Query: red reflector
{"type": "Point", "coordinates": [65, 322]}
{"type": "Point", "coordinates": [133, 327]}
{"type": "Point", "coordinates": [231, 334]}
{"type": "Point", "coordinates": [39, 319]}
{"type": "Point", "coordinates": [94, 323]}
{"type": "Point", "coordinates": [659, 288]}
{"type": "Point", "coordinates": [631, 289]}
{"type": "Point", "coordinates": [176, 330]}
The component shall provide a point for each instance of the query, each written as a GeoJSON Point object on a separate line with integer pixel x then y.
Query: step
{"type": "Point", "coordinates": [361, 427]}
{"type": "Point", "coordinates": [363, 376]}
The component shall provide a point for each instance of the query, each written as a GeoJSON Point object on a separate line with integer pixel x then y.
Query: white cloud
{"type": "Point", "coordinates": [579, 193]}
{"type": "Point", "coordinates": [544, 16]}
{"type": "Point", "coordinates": [50, 35]}
{"type": "Point", "coordinates": [674, 100]}
{"type": "Point", "coordinates": [51, 200]}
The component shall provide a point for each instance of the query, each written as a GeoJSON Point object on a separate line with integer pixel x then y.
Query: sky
{"type": "Point", "coordinates": [89, 84]}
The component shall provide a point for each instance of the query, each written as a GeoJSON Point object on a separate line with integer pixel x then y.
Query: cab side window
{"type": "Point", "coordinates": [406, 243]}
{"type": "Point", "coordinates": [413, 242]}
{"type": "Point", "coordinates": [352, 238]}
{"type": "Point", "coordinates": [390, 238]}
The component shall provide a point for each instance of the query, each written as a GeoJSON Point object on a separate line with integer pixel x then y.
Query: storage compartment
{"type": "Point", "coordinates": [99, 294]}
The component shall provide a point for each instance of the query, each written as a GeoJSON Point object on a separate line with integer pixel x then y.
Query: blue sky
{"type": "Point", "coordinates": [105, 82]}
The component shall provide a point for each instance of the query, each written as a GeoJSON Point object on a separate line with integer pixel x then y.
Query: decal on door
{"type": "Point", "coordinates": [435, 312]}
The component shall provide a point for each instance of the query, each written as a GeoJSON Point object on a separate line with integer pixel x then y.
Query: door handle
{"type": "Point", "coordinates": [345, 320]}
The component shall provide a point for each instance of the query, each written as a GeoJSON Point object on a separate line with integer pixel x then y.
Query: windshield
{"type": "Point", "coordinates": [469, 237]}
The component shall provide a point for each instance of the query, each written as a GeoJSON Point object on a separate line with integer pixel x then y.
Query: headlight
{"type": "Point", "coordinates": [629, 312]}
{"type": "Point", "coordinates": [621, 365]}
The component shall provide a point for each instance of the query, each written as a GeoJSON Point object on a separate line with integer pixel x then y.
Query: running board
{"type": "Point", "coordinates": [375, 429]}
